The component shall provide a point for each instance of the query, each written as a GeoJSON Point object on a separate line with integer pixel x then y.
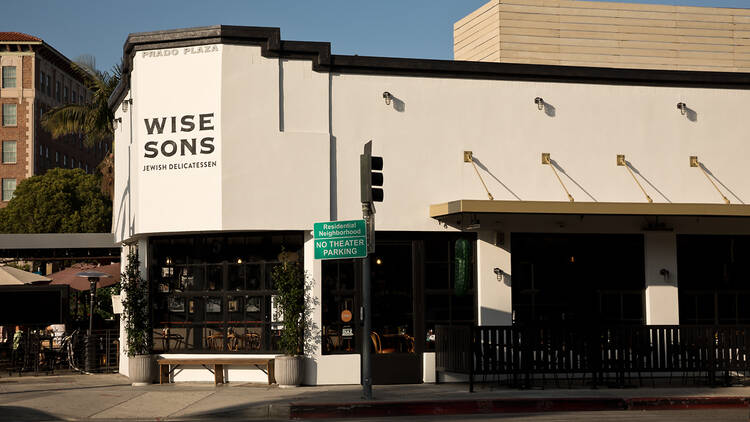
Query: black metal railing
{"type": "Point", "coordinates": [525, 353]}
{"type": "Point", "coordinates": [107, 350]}
{"type": "Point", "coordinates": [39, 352]}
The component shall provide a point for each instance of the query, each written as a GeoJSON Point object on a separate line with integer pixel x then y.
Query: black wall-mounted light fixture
{"type": "Point", "coordinates": [539, 101]}
{"type": "Point", "coordinates": [664, 273]}
{"type": "Point", "coordinates": [499, 273]}
{"type": "Point", "coordinates": [387, 97]}
{"type": "Point", "coordinates": [682, 107]}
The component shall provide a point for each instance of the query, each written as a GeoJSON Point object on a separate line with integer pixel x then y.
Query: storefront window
{"type": "Point", "coordinates": [341, 329]}
{"type": "Point", "coordinates": [713, 282]}
{"type": "Point", "coordinates": [214, 293]}
{"type": "Point", "coordinates": [413, 289]}
{"type": "Point", "coordinates": [569, 279]}
{"type": "Point", "coordinates": [445, 304]}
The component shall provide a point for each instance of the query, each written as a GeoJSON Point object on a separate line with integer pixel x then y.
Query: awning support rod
{"type": "Point", "coordinates": [469, 158]}
{"type": "Point", "coordinates": [695, 163]}
{"type": "Point", "coordinates": [548, 161]}
{"type": "Point", "coordinates": [622, 162]}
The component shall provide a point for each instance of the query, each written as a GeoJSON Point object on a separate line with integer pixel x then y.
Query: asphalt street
{"type": "Point", "coordinates": [721, 415]}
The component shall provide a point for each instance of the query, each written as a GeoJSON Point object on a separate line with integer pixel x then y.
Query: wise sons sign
{"type": "Point", "coordinates": [189, 136]}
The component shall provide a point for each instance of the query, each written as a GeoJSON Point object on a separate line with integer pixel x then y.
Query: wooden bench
{"type": "Point", "coordinates": [217, 364]}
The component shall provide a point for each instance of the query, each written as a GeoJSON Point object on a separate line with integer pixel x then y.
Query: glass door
{"type": "Point", "coordinates": [392, 339]}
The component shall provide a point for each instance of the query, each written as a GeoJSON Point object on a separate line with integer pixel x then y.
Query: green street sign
{"type": "Point", "coordinates": [340, 239]}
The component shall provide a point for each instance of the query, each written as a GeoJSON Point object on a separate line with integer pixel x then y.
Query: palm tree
{"type": "Point", "coordinates": [92, 119]}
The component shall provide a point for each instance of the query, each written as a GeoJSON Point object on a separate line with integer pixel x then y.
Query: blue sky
{"type": "Point", "coordinates": [397, 28]}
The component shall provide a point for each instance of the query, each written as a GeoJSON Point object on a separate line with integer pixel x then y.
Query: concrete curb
{"type": "Point", "coordinates": [524, 405]}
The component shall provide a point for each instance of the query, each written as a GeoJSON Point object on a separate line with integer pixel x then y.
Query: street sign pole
{"type": "Point", "coordinates": [370, 182]}
{"type": "Point", "coordinates": [366, 366]}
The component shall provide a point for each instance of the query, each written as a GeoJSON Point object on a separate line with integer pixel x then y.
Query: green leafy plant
{"type": "Point", "coordinates": [135, 307]}
{"type": "Point", "coordinates": [293, 288]}
{"type": "Point", "coordinates": [58, 201]}
{"type": "Point", "coordinates": [93, 118]}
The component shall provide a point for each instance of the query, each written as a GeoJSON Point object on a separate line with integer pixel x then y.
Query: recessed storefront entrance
{"type": "Point", "coordinates": [395, 360]}
{"type": "Point", "coordinates": [578, 278]}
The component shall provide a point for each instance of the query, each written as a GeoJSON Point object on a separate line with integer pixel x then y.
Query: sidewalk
{"type": "Point", "coordinates": [108, 397]}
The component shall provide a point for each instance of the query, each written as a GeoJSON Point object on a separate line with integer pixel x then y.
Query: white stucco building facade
{"type": "Point", "coordinates": [232, 134]}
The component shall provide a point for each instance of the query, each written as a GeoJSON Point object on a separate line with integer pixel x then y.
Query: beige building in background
{"type": "Point", "coordinates": [604, 34]}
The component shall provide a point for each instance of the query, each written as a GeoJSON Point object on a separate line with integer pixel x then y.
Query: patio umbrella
{"type": "Point", "coordinates": [13, 276]}
{"type": "Point", "coordinates": [68, 276]}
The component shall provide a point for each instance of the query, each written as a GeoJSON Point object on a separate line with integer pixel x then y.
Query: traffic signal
{"type": "Point", "coordinates": [371, 176]}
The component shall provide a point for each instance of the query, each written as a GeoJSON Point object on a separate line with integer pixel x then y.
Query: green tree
{"type": "Point", "coordinates": [135, 307]}
{"type": "Point", "coordinates": [59, 201]}
{"type": "Point", "coordinates": [92, 119]}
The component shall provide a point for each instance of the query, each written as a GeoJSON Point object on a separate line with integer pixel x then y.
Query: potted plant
{"type": "Point", "coordinates": [290, 282]}
{"type": "Point", "coordinates": [137, 324]}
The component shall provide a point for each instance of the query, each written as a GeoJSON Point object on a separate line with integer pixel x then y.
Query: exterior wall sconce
{"type": "Point", "coordinates": [115, 122]}
{"type": "Point", "coordinates": [682, 107]}
{"type": "Point", "coordinates": [500, 274]}
{"type": "Point", "coordinates": [125, 104]}
{"type": "Point", "coordinates": [664, 273]}
{"type": "Point", "coordinates": [387, 97]}
{"type": "Point", "coordinates": [539, 101]}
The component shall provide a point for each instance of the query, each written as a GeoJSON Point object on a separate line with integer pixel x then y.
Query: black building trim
{"type": "Point", "coordinates": [272, 46]}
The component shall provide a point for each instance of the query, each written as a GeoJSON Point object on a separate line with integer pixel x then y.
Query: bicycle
{"type": "Point", "coordinates": [71, 350]}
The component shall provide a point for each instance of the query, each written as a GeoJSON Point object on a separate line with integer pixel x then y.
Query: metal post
{"type": "Point", "coordinates": [90, 340]}
{"type": "Point", "coordinates": [366, 360]}
{"type": "Point", "coordinates": [91, 304]}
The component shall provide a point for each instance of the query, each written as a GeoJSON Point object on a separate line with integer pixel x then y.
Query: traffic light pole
{"type": "Point", "coordinates": [366, 359]}
{"type": "Point", "coordinates": [371, 180]}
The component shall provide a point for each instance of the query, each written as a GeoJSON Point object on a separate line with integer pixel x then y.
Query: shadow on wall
{"type": "Point", "coordinates": [636, 171]}
{"type": "Point", "coordinates": [311, 371]}
{"type": "Point", "coordinates": [562, 170]}
{"type": "Point", "coordinates": [483, 167]}
{"type": "Point", "coordinates": [720, 182]}
{"type": "Point", "coordinates": [507, 279]}
{"type": "Point", "coordinates": [332, 191]}
{"type": "Point", "coordinates": [691, 114]}
{"type": "Point", "coordinates": [550, 110]}
{"type": "Point", "coordinates": [489, 316]}
{"type": "Point", "coordinates": [398, 104]}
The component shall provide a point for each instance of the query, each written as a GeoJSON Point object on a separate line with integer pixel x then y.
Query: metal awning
{"type": "Point", "coordinates": [588, 208]}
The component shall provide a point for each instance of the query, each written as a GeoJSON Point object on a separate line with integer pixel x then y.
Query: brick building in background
{"type": "Point", "coordinates": [36, 78]}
